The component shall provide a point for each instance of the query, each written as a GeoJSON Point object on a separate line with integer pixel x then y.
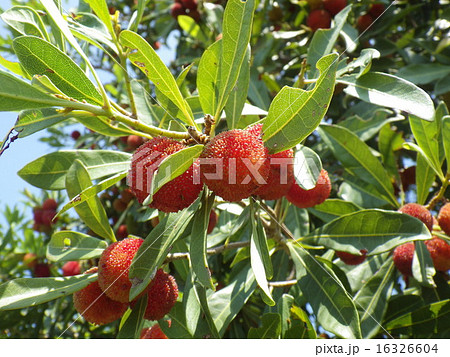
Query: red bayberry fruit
{"type": "Point", "coordinates": [444, 218]}
{"type": "Point", "coordinates": [309, 198]}
{"type": "Point", "coordinates": [48, 217]}
{"type": "Point", "coordinates": [319, 19]}
{"type": "Point", "coordinates": [75, 134]}
{"type": "Point", "coordinates": [234, 165]}
{"type": "Point", "coordinates": [334, 6]}
{"type": "Point", "coordinates": [134, 141]}
{"type": "Point", "coordinates": [177, 9]}
{"type": "Point", "coordinates": [97, 308]}
{"type": "Point", "coordinates": [440, 253]}
{"type": "Point", "coordinates": [403, 257]}
{"type": "Point", "coordinates": [113, 268]}
{"type": "Point", "coordinates": [189, 4]}
{"type": "Point", "coordinates": [376, 10]}
{"type": "Point", "coordinates": [195, 14]}
{"type": "Point", "coordinates": [420, 212]}
{"type": "Point", "coordinates": [71, 268]}
{"type": "Point", "coordinates": [37, 215]}
{"type": "Point", "coordinates": [42, 270]}
{"type": "Point", "coordinates": [122, 231]}
{"type": "Point", "coordinates": [154, 332]}
{"type": "Point", "coordinates": [175, 195]}
{"type": "Point", "coordinates": [126, 196]}
{"type": "Point", "coordinates": [281, 174]}
{"type": "Point", "coordinates": [364, 22]}
{"type": "Point", "coordinates": [352, 259]}
{"type": "Point", "coordinates": [50, 204]}
{"type": "Point", "coordinates": [119, 205]}
{"type": "Point", "coordinates": [156, 45]}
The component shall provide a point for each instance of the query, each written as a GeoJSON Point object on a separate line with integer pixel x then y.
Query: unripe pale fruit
{"type": "Point", "coordinates": [113, 268]}
{"type": "Point", "coordinates": [376, 10]}
{"type": "Point", "coordinates": [281, 174]}
{"type": "Point", "coordinates": [154, 332]}
{"type": "Point", "coordinates": [319, 19]}
{"type": "Point", "coordinates": [92, 303]}
{"type": "Point", "coordinates": [309, 198]}
{"type": "Point", "coordinates": [175, 195]}
{"type": "Point", "coordinates": [364, 22]}
{"type": "Point", "coordinates": [71, 268]}
{"type": "Point", "coordinates": [234, 165]}
{"type": "Point", "coordinates": [440, 253]}
{"type": "Point", "coordinates": [352, 259]}
{"type": "Point", "coordinates": [334, 6]}
{"type": "Point", "coordinates": [420, 212]}
{"type": "Point", "coordinates": [444, 218]}
{"type": "Point", "coordinates": [403, 257]}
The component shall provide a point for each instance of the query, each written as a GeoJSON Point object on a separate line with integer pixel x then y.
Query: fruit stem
{"type": "Point", "coordinates": [440, 195]}
{"type": "Point", "coordinates": [282, 284]}
{"type": "Point", "coordinates": [300, 82]}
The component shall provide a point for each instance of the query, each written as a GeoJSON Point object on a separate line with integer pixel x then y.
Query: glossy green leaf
{"type": "Point", "coordinates": [14, 67]}
{"type": "Point", "coordinates": [430, 318]}
{"type": "Point", "coordinates": [144, 57]}
{"type": "Point", "coordinates": [271, 327]}
{"type": "Point", "coordinates": [24, 292]}
{"type": "Point", "coordinates": [32, 121]}
{"type": "Point", "coordinates": [178, 327]}
{"type": "Point", "coordinates": [323, 42]}
{"type": "Point", "coordinates": [358, 159]}
{"type": "Point", "coordinates": [238, 96]}
{"type": "Point", "coordinates": [301, 326]}
{"type": "Point", "coordinates": [425, 177]}
{"type": "Point", "coordinates": [296, 113]}
{"type": "Point", "coordinates": [201, 294]}
{"type": "Point", "coordinates": [132, 326]}
{"type": "Point", "coordinates": [197, 249]}
{"type": "Point", "coordinates": [390, 141]}
{"type": "Point", "coordinates": [208, 78]}
{"type": "Point", "coordinates": [297, 220]}
{"type": "Point", "coordinates": [363, 62]}
{"type": "Point", "coordinates": [361, 193]}
{"type": "Point", "coordinates": [333, 208]}
{"type": "Point", "coordinates": [154, 250]}
{"type": "Point", "coordinates": [69, 245]}
{"type": "Point", "coordinates": [422, 265]}
{"type": "Point", "coordinates": [25, 20]}
{"type": "Point", "coordinates": [49, 171]}
{"type": "Point", "coordinates": [40, 57]}
{"type": "Point", "coordinates": [17, 95]}
{"type": "Point", "coordinates": [227, 302]}
{"type": "Point", "coordinates": [307, 167]}
{"type": "Point", "coordinates": [446, 137]}
{"type": "Point", "coordinates": [142, 101]}
{"type": "Point", "coordinates": [190, 26]}
{"type": "Point", "coordinates": [100, 8]}
{"type": "Point", "coordinates": [423, 73]}
{"type": "Point", "coordinates": [90, 211]}
{"type": "Point", "coordinates": [237, 26]}
{"type": "Point", "coordinates": [390, 91]}
{"type": "Point", "coordinates": [284, 304]}
{"type": "Point", "coordinates": [436, 168]}
{"type": "Point", "coordinates": [333, 307]}
{"type": "Point", "coordinates": [372, 299]}
{"type": "Point", "coordinates": [374, 230]}
{"type": "Point", "coordinates": [260, 257]}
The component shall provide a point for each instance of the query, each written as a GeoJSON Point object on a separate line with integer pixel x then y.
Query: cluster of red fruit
{"type": "Point", "coordinates": [235, 164]}
{"type": "Point", "coordinates": [403, 254]}
{"type": "Point", "coordinates": [44, 216]}
{"type": "Point", "coordinates": [107, 299]}
{"type": "Point", "coordinates": [322, 13]}
{"type": "Point", "coordinates": [185, 7]}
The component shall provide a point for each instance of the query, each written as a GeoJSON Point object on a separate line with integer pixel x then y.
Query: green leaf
{"type": "Point", "coordinates": [24, 292]}
{"type": "Point", "coordinates": [363, 62]}
{"type": "Point", "coordinates": [14, 67]}
{"type": "Point", "coordinates": [238, 96]}
{"type": "Point", "coordinates": [284, 304]}
{"type": "Point", "coordinates": [32, 121]}
{"type": "Point", "coordinates": [307, 167]}
{"type": "Point", "coordinates": [227, 302]}
{"type": "Point", "coordinates": [144, 57]}
{"type": "Point", "coordinates": [190, 26]}
{"type": "Point", "coordinates": [40, 57]}
{"type": "Point", "coordinates": [429, 161]}
{"type": "Point", "coordinates": [208, 78]}
{"type": "Point", "coordinates": [422, 265]}
{"type": "Point", "coordinates": [271, 327]}
{"type": "Point", "coordinates": [295, 113]}
{"type": "Point", "coordinates": [25, 20]}
{"type": "Point", "coordinates": [423, 73]}
{"type": "Point", "coordinates": [323, 42]}
{"type": "Point", "coordinates": [374, 230]}
{"type": "Point", "coordinates": [301, 326]}
{"type": "Point", "coordinates": [197, 249]}
{"type": "Point", "coordinates": [237, 26]}
{"type": "Point", "coordinates": [390, 141]}
{"type": "Point", "coordinates": [425, 177]}
{"type": "Point", "coordinates": [360, 193]}
{"type": "Point", "coordinates": [333, 208]}
{"type": "Point", "coordinates": [154, 250]}
{"type": "Point", "coordinates": [446, 137]}
{"type": "Point", "coordinates": [430, 318]}
{"type": "Point", "coordinates": [200, 292]}
{"type": "Point", "coordinates": [102, 125]}
{"type": "Point", "coordinates": [49, 171]}
{"type": "Point", "coordinates": [260, 257]}
{"type": "Point", "coordinates": [178, 327]}
{"type": "Point", "coordinates": [357, 158]}
{"type": "Point", "coordinates": [330, 302]}
{"type": "Point", "coordinates": [100, 8]}
{"type": "Point", "coordinates": [297, 220]}
{"type": "Point", "coordinates": [68, 245]}
{"type": "Point", "coordinates": [390, 91]}
{"type": "Point", "coordinates": [17, 95]}
{"type": "Point", "coordinates": [90, 211]}
{"type": "Point", "coordinates": [132, 326]}
{"type": "Point", "coordinates": [372, 299]}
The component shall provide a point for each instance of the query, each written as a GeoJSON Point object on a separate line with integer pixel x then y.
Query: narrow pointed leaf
{"type": "Point", "coordinates": [132, 326]}
{"type": "Point", "coordinates": [178, 327]}
{"type": "Point", "coordinates": [32, 121]}
{"type": "Point", "coordinates": [208, 78]}
{"type": "Point", "coordinates": [25, 20]}
{"type": "Point", "coordinates": [425, 177]}
{"type": "Point", "coordinates": [271, 327]}
{"type": "Point", "coordinates": [333, 208]}
{"type": "Point", "coordinates": [446, 136]}
{"type": "Point", "coordinates": [100, 8]}
{"type": "Point", "coordinates": [422, 265]}
{"type": "Point", "coordinates": [307, 167]}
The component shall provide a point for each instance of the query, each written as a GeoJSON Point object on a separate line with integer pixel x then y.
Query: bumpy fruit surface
{"type": "Point", "coordinates": [235, 164]}
{"type": "Point", "coordinates": [154, 332]}
{"type": "Point", "coordinates": [420, 212]}
{"type": "Point", "coordinates": [162, 294]}
{"type": "Point", "coordinates": [334, 6]}
{"type": "Point", "coordinates": [174, 195]}
{"type": "Point", "coordinates": [364, 22]}
{"type": "Point", "coordinates": [403, 257]}
{"type": "Point", "coordinates": [352, 259]}
{"type": "Point", "coordinates": [319, 19]}
{"type": "Point", "coordinates": [95, 306]}
{"type": "Point", "coordinates": [440, 253]}
{"type": "Point", "coordinates": [444, 218]}
{"type": "Point", "coordinates": [309, 198]}
{"type": "Point", "coordinates": [113, 268]}
{"type": "Point", "coordinates": [281, 174]}
{"type": "Point", "coordinates": [71, 268]}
